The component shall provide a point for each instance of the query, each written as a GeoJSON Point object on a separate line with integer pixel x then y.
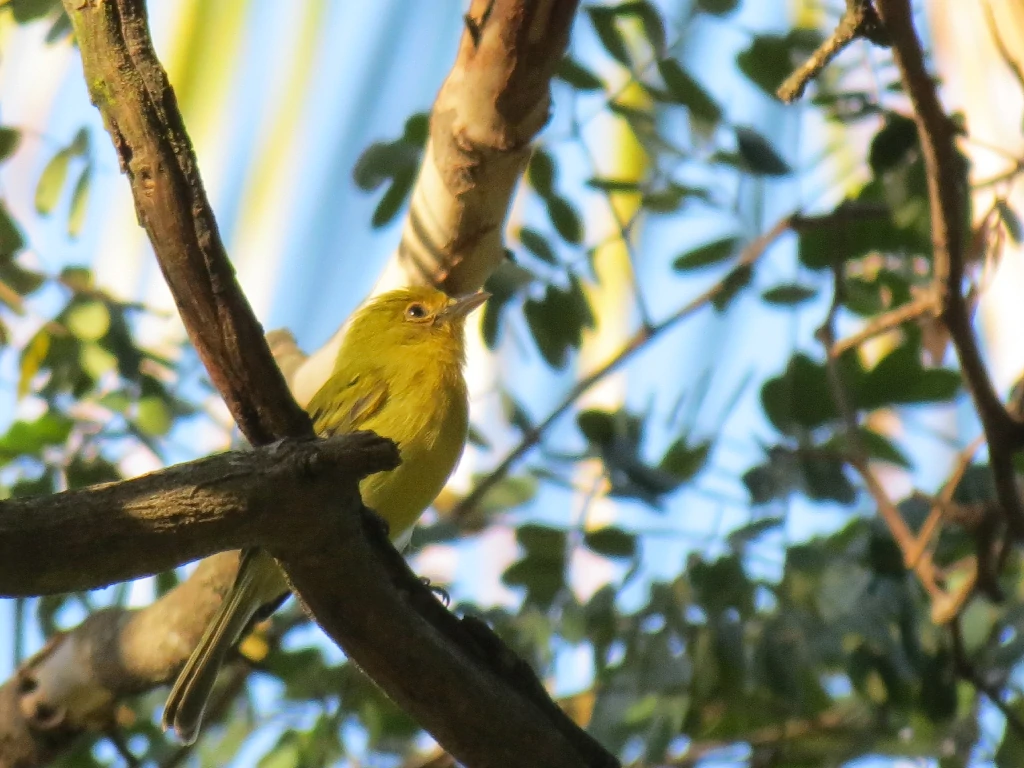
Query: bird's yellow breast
{"type": "Point", "coordinates": [430, 440]}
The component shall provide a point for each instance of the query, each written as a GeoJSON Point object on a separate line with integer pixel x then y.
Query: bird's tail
{"type": "Point", "coordinates": [259, 581]}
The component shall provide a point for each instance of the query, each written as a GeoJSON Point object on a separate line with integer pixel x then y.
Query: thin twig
{"type": "Point", "coordinates": [858, 459]}
{"type": "Point", "coordinates": [859, 21]}
{"type": "Point", "coordinates": [879, 324]}
{"type": "Point", "coordinates": [966, 669]}
{"type": "Point", "coordinates": [947, 194]}
{"type": "Point", "coordinates": [643, 336]}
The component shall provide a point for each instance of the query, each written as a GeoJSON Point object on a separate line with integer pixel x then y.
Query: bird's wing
{"type": "Point", "coordinates": [340, 407]}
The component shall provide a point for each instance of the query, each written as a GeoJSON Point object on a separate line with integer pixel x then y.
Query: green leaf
{"type": "Point", "coordinates": [684, 90]}
{"type": "Point", "coordinates": [578, 76]}
{"type": "Point", "coordinates": [51, 183]}
{"type": "Point", "coordinates": [88, 321]}
{"type": "Point", "coordinates": [509, 493]}
{"type": "Point", "coordinates": [722, 584]}
{"type": "Point", "coordinates": [821, 247]}
{"type": "Point", "coordinates": [789, 294]}
{"type": "Point", "coordinates": [757, 152]}
{"type": "Point", "coordinates": [890, 146]}
{"type": "Point", "coordinates": [79, 202]}
{"type": "Point", "coordinates": [392, 201]}
{"type": "Point", "coordinates": [750, 532]}
{"type": "Point", "coordinates": [597, 426]}
{"type": "Point", "coordinates": [566, 219]}
{"type": "Point", "coordinates": [707, 255]}
{"type": "Point", "coordinates": [734, 282]}
{"type": "Point", "coordinates": [800, 398]}
{"type": "Point", "coordinates": [669, 199]}
{"type": "Point", "coordinates": [542, 541]}
{"type": "Point", "coordinates": [538, 245]}
{"type": "Point", "coordinates": [613, 185]}
{"type": "Point", "coordinates": [541, 173]}
{"type": "Point", "coordinates": [503, 284]}
{"type": "Point", "coordinates": [611, 542]}
{"type": "Point", "coordinates": [543, 579]}
{"type": "Point", "coordinates": [718, 7]}
{"type": "Point", "coordinates": [153, 417]}
{"type": "Point", "coordinates": [825, 478]}
{"type": "Point", "coordinates": [29, 438]}
{"type": "Point", "coordinates": [9, 140]}
{"type": "Point", "coordinates": [876, 446]}
{"type": "Point", "coordinates": [557, 321]}
{"type": "Point", "coordinates": [684, 461]}
{"type": "Point", "coordinates": [1011, 749]}
{"type": "Point", "coordinates": [901, 379]}
{"type": "Point", "coordinates": [1010, 220]}
{"type": "Point", "coordinates": [771, 58]}
{"type": "Point", "coordinates": [29, 10]}
{"type": "Point", "coordinates": [11, 239]}
{"type": "Point", "coordinates": [603, 19]}
{"type": "Point", "coordinates": [650, 22]}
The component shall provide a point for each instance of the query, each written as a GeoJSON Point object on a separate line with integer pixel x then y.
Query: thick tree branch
{"type": "Point", "coordinates": [92, 537]}
{"type": "Point", "coordinates": [493, 103]}
{"type": "Point", "coordinates": [130, 88]}
{"type": "Point", "coordinates": [947, 193]}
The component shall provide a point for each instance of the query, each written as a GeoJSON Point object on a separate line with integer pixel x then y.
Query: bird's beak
{"type": "Point", "coordinates": [463, 305]}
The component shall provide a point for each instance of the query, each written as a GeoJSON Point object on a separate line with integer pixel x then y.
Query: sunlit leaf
{"type": "Point", "coordinates": [79, 202]}
{"type": "Point", "coordinates": [51, 183]}
{"type": "Point", "coordinates": [153, 416]}
{"type": "Point", "coordinates": [89, 320]}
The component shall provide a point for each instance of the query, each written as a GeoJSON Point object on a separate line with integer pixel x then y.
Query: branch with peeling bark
{"type": "Point", "coordinates": [490, 107]}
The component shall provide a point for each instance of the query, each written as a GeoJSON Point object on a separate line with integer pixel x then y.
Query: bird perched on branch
{"type": "Point", "coordinates": [399, 374]}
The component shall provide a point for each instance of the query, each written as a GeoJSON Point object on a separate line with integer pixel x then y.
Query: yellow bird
{"type": "Point", "coordinates": [399, 374]}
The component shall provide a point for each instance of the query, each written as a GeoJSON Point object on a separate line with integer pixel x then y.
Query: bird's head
{"type": "Point", "coordinates": [420, 317]}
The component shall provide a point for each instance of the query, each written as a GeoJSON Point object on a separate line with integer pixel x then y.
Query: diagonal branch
{"type": "Point", "coordinates": [486, 114]}
{"type": "Point", "coordinates": [130, 88]}
{"type": "Point", "coordinates": [947, 194]}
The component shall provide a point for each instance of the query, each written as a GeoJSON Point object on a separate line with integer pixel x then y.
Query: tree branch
{"type": "Point", "coordinates": [644, 335]}
{"type": "Point", "coordinates": [860, 20]}
{"type": "Point", "coordinates": [947, 193]}
{"type": "Point", "coordinates": [491, 106]}
{"type": "Point", "coordinates": [92, 537]}
{"type": "Point", "coordinates": [130, 88]}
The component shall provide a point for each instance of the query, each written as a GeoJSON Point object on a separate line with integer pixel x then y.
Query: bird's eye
{"type": "Point", "coordinates": [415, 312]}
